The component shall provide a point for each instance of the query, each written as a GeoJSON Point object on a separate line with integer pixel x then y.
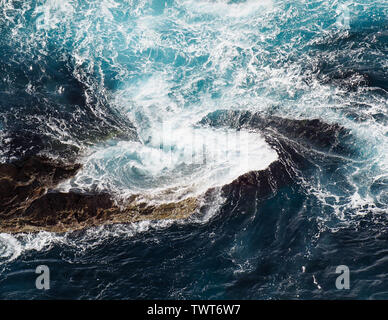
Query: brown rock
{"type": "Point", "coordinates": [24, 181]}
{"type": "Point", "coordinates": [29, 205]}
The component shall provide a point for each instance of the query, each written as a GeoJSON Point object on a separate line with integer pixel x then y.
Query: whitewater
{"type": "Point", "coordinates": [166, 99]}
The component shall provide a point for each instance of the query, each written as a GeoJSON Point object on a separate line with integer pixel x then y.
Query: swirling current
{"type": "Point", "coordinates": [293, 93]}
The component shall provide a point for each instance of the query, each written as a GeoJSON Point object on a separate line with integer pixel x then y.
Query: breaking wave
{"type": "Point", "coordinates": [125, 87]}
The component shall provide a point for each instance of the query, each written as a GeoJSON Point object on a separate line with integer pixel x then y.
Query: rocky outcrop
{"type": "Point", "coordinates": [308, 132]}
{"type": "Point", "coordinates": [306, 149]}
{"type": "Point", "coordinates": [28, 203]}
{"type": "Point", "coordinates": [23, 182]}
{"type": "Point", "coordinates": [61, 212]}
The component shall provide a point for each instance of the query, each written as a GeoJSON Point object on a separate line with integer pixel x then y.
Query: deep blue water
{"type": "Point", "coordinates": [125, 87]}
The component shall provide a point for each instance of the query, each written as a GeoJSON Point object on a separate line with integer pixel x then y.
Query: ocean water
{"type": "Point", "coordinates": [145, 94]}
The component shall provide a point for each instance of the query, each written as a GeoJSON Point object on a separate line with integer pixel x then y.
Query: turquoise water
{"type": "Point", "coordinates": [124, 87]}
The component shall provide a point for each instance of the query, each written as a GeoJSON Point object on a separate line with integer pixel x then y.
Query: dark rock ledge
{"type": "Point", "coordinates": [28, 203]}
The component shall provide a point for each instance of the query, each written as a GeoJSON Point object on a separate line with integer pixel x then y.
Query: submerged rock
{"type": "Point", "coordinates": [51, 106]}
